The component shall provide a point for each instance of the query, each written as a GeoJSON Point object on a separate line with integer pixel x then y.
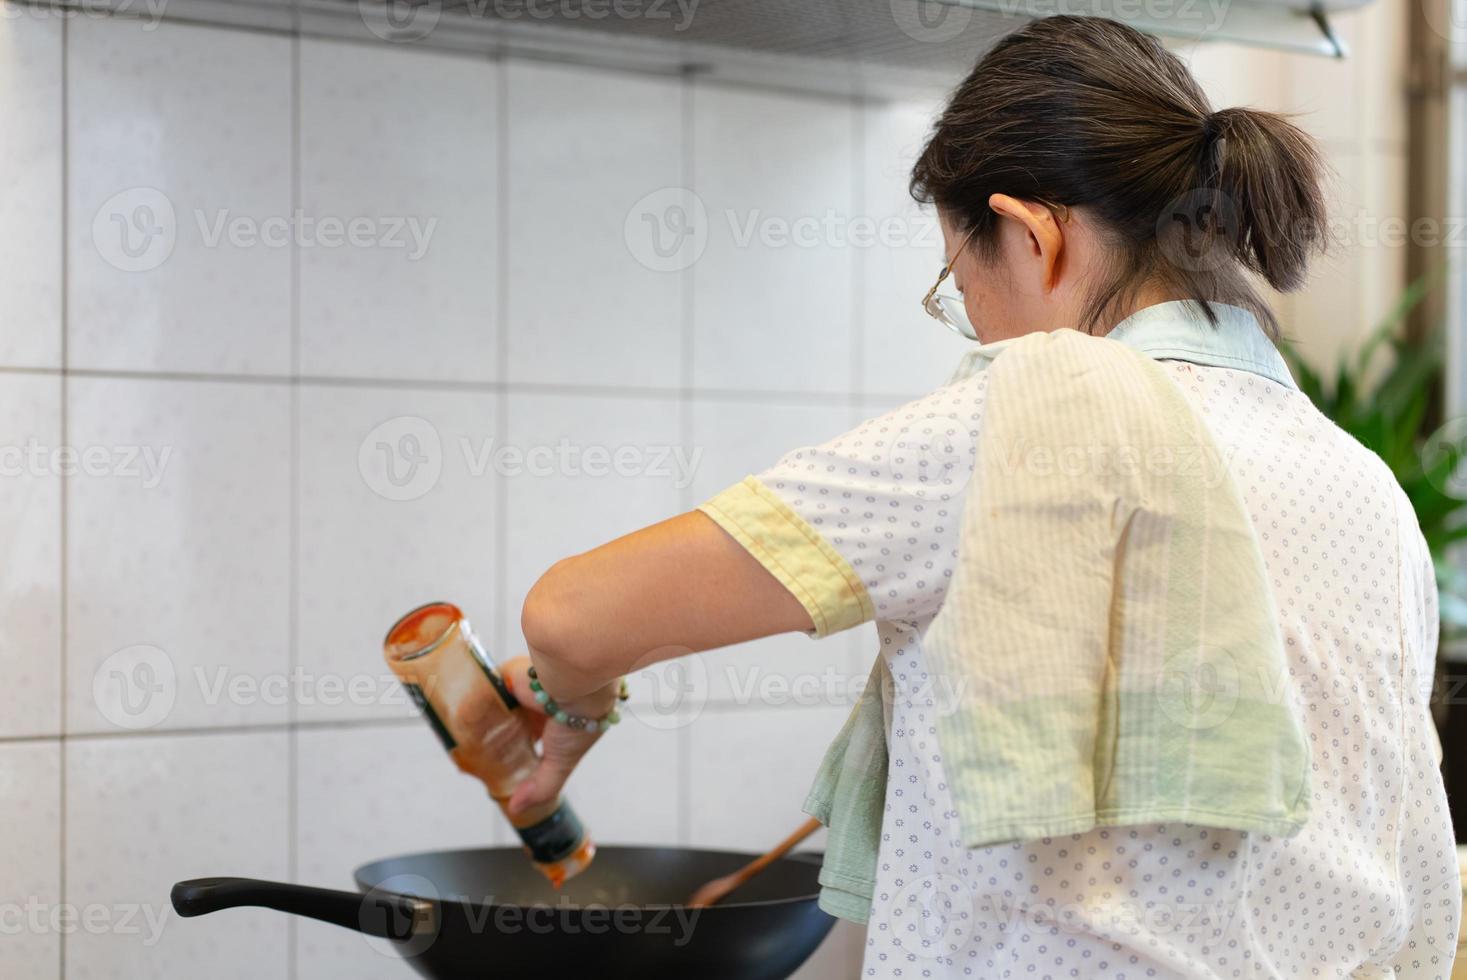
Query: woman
{"type": "Point", "coordinates": [1083, 182]}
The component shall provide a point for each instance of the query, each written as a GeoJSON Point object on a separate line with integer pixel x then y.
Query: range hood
{"type": "Point", "coordinates": [876, 47]}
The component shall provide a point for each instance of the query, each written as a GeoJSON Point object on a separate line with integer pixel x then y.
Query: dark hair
{"type": "Point", "coordinates": [1093, 114]}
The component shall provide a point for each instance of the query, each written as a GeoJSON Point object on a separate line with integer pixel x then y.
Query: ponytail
{"type": "Point", "coordinates": [1269, 171]}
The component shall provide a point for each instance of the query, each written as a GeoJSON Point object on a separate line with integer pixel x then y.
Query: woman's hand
{"type": "Point", "coordinates": [561, 747]}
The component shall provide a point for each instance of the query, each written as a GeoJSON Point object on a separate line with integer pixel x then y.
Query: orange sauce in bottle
{"type": "Point", "coordinates": [447, 673]}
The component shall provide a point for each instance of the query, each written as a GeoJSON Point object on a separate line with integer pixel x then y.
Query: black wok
{"type": "Point", "coordinates": [480, 914]}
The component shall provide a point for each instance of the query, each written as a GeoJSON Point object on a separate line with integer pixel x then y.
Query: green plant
{"type": "Point", "coordinates": [1386, 411]}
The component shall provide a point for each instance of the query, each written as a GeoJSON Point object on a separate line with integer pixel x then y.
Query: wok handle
{"type": "Point", "coordinates": [384, 915]}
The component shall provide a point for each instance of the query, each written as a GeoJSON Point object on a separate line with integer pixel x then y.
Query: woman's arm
{"type": "Point", "coordinates": [680, 586]}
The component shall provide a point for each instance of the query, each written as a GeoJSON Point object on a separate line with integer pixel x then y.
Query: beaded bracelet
{"type": "Point", "coordinates": [552, 709]}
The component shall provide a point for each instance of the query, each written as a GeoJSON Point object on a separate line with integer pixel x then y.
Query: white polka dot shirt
{"type": "Point", "coordinates": [1369, 888]}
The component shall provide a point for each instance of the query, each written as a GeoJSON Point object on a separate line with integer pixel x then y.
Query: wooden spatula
{"type": "Point", "coordinates": [717, 889]}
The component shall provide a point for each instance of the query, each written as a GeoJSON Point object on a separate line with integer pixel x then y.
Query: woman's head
{"type": "Point", "coordinates": [1094, 178]}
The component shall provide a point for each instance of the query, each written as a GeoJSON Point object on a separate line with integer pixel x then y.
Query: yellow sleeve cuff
{"type": "Point", "coordinates": [795, 553]}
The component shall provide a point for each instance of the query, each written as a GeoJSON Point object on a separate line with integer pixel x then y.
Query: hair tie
{"type": "Point", "coordinates": [1210, 128]}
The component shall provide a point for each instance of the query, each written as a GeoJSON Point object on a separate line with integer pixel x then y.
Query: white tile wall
{"type": "Point", "coordinates": [772, 291]}
{"type": "Point", "coordinates": [188, 555]}
{"type": "Point", "coordinates": [759, 753]}
{"type": "Point", "coordinates": [144, 814]}
{"type": "Point", "coordinates": [904, 350]}
{"type": "Point", "coordinates": [399, 140]}
{"type": "Point", "coordinates": [179, 147]}
{"type": "Point", "coordinates": [627, 793]}
{"type": "Point", "coordinates": [558, 510]}
{"type": "Point", "coordinates": [277, 544]}
{"type": "Point", "coordinates": [369, 793]}
{"type": "Point", "coordinates": [30, 536]}
{"type": "Point", "coordinates": [578, 292]}
{"type": "Point", "coordinates": [30, 854]}
{"type": "Point", "coordinates": [371, 548]}
{"type": "Point", "coordinates": [30, 188]}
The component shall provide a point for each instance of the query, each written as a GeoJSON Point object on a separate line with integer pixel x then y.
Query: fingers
{"type": "Point", "coordinates": [516, 674]}
{"type": "Point", "coordinates": [535, 722]}
{"type": "Point", "coordinates": [562, 749]}
{"type": "Point", "coordinates": [543, 786]}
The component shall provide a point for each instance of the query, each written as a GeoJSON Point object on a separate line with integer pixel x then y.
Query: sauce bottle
{"type": "Point", "coordinates": [448, 675]}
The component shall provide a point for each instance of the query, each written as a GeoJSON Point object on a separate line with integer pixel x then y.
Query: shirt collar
{"type": "Point", "coordinates": [1179, 331]}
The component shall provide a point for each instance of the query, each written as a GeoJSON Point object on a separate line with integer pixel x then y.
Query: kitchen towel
{"type": "Point", "coordinates": [1109, 631]}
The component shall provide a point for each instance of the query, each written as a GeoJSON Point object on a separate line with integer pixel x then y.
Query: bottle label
{"type": "Point", "coordinates": [481, 657]}
{"type": "Point", "coordinates": [441, 730]}
{"type": "Point", "coordinates": [502, 689]}
{"type": "Point", "coordinates": [556, 837]}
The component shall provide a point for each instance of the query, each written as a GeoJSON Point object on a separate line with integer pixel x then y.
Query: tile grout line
{"type": "Point", "coordinates": [293, 534]}
{"type": "Point", "coordinates": [502, 205]}
{"type": "Point", "coordinates": [193, 731]}
{"type": "Point", "coordinates": [675, 393]}
{"type": "Point", "coordinates": [714, 705]}
{"type": "Point", "coordinates": [860, 206]}
{"type": "Point", "coordinates": [505, 626]}
{"type": "Point", "coordinates": [65, 496]}
{"type": "Point", "coordinates": [687, 91]}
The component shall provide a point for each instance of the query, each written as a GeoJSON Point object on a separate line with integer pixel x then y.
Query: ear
{"type": "Point", "coordinates": [1043, 235]}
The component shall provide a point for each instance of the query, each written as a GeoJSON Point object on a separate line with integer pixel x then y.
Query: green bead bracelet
{"type": "Point", "coordinates": [585, 724]}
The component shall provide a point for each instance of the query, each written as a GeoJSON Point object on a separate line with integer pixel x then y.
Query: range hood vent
{"type": "Point", "coordinates": [841, 46]}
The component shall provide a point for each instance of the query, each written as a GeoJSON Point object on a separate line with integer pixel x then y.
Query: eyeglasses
{"type": "Point", "coordinates": [949, 310]}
